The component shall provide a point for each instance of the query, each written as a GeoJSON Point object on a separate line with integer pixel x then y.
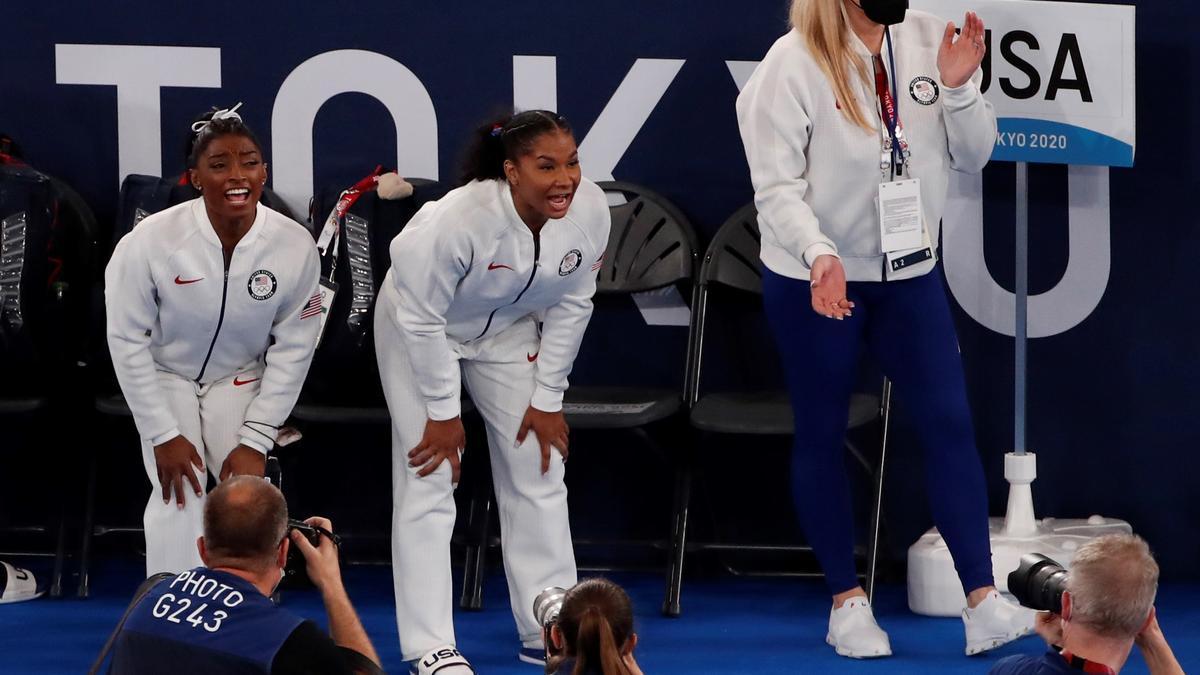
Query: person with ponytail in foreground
{"type": "Point", "coordinates": [492, 286]}
{"type": "Point", "coordinates": [594, 634]}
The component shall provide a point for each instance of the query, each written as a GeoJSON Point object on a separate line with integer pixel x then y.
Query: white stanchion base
{"type": "Point", "coordinates": [933, 586]}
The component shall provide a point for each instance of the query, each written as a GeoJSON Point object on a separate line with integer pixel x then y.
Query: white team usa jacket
{"type": "Point", "coordinates": [816, 175]}
{"type": "Point", "coordinates": [466, 267]}
{"type": "Point", "coordinates": [173, 306]}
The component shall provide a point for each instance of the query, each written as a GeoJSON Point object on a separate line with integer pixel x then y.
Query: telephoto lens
{"type": "Point", "coordinates": [548, 604]}
{"type": "Point", "coordinates": [1038, 583]}
{"type": "Point", "coordinates": [546, 608]}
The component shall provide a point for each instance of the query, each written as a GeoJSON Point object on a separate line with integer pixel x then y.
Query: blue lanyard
{"type": "Point", "coordinates": [893, 120]}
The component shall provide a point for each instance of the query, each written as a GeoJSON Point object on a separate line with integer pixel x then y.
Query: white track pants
{"type": "Point", "coordinates": [535, 533]}
{"type": "Point", "coordinates": [209, 418]}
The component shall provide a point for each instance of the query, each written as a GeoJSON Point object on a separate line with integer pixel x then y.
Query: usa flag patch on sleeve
{"type": "Point", "coordinates": [312, 307]}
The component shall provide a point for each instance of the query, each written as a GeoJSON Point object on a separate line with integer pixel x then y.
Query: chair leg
{"type": "Point", "coordinates": [89, 518]}
{"type": "Point", "coordinates": [885, 405]}
{"type": "Point", "coordinates": [683, 492]}
{"type": "Point", "coordinates": [679, 517]}
{"type": "Point", "coordinates": [60, 553]}
{"type": "Point", "coordinates": [478, 525]}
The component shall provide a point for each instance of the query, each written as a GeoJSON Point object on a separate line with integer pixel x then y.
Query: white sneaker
{"type": "Point", "coordinates": [444, 660]}
{"type": "Point", "coordinates": [854, 633]}
{"type": "Point", "coordinates": [17, 585]}
{"type": "Point", "coordinates": [995, 622]}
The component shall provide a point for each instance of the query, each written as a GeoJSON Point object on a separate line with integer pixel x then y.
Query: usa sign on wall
{"type": "Point", "coordinates": [1061, 76]}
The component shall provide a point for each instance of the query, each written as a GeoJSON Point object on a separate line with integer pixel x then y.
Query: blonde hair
{"type": "Point", "coordinates": [1113, 581]}
{"type": "Point", "coordinates": [824, 26]}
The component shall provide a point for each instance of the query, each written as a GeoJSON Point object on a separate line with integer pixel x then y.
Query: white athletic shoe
{"type": "Point", "coordinates": [995, 622]}
{"type": "Point", "coordinates": [444, 660]}
{"type": "Point", "coordinates": [17, 585]}
{"type": "Point", "coordinates": [854, 633]}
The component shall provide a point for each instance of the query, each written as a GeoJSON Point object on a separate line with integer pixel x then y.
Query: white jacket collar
{"type": "Point", "coordinates": [210, 234]}
{"type": "Point", "coordinates": [509, 207]}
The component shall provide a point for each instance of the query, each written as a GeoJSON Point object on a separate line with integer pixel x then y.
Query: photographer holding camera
{"type": "Point", "coordinates": [588, 629]}
{"type": "Point", "coordinates": [219, 618]}
{"type": "Point", "coordinates": [1094, 614]}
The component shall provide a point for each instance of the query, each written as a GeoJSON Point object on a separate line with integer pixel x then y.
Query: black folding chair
{"type": "Point", "coordinates": [105, 407]}
{"type": "Point", "coordinates": [651, 246]}
{"type": "Point", "coordinates": [30, 412]}
{"type": "Point", "coordinates": [732, 262]}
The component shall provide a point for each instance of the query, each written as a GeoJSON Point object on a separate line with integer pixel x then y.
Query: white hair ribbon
{"type": "Point", "coordinates": [228, 113]}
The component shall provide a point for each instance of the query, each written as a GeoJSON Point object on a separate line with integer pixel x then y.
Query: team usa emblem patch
{"type": "Point", "coordinates": [570, 262]}
{"type": "Point", "coordinates": [262, 285]}
{"type": "Point", "coordinates": [923, 90]}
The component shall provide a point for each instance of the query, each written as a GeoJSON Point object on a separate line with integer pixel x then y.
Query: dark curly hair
{"type": "Point", "coordinates": [197, 142]}
{"type": "Point", "coordinates": [507, 137]}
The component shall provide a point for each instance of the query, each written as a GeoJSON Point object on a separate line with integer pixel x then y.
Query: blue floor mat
{"type": "Point", "coordinates": [728, 625]}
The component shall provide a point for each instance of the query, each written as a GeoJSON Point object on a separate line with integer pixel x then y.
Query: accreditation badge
{"type": "Point", "coordinates": [900, 215]}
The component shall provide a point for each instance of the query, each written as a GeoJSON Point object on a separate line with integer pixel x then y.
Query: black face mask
{"type": "Point", "coordinates": [886, 12]}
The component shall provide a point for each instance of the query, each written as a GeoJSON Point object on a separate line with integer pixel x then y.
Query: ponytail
{"type": "Point", "coordinates": [485, 158]}
{"type": "Point", "coordinates": [506, 138]}
{"type": "Point", "coordinates": [596, 622]}
{"type": "Point", "coordinates": [596, 644]}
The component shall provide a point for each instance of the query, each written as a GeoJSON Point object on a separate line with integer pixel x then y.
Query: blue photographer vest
{"type": "Point", "coordinates": [202, 621]}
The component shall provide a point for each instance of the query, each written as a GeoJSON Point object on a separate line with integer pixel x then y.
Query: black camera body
{"type": "Point", "coordinates": [310, 533]}
{"type": "Point", "coordinates": [1038, 583]}
{"type": "Point", "coordinates": [295, 571]}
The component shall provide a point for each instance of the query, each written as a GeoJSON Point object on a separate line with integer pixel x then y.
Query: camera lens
{"type": "Point", "coordinates": [548, 604]}
{"type": "Point", "coordinates": [1038, 583]}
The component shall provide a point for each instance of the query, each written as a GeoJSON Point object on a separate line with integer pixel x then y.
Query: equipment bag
{"type": "Point", "coordinates": [47, 266]}
{"type": "Point", "coordinates": [344, 369]}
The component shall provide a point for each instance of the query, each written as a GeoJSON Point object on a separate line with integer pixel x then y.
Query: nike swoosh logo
{"type": "Point", "coordinates": [238, 383]}
{"type": "Point", "coordinates": [184, 282]}
{"type": "Point", "coordinates": [532, 357]}
{"type": "Point", "coordinates": [495, 266]}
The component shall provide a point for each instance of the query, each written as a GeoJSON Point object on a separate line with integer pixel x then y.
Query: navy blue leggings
{"type": "Point", "coordinates": [907, 327]}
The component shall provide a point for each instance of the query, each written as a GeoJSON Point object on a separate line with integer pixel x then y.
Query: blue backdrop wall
{"type": "Point", "coordinates": [1113, 401]}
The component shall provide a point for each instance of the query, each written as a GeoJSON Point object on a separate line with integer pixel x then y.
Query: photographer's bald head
{"type": "Point", "coordinates": [245, 529]}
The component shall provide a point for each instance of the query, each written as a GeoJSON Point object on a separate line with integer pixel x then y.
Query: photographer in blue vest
{"type": "Point", "coordinates": [1107, 607]}
{"type": "Point", "coordinates": [219, 618]}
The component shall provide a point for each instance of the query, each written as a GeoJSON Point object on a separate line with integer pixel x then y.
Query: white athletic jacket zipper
{"type": "Point", "coordinates": [537, 254]}
{"type": "Point", "coordinates": [220, 320]}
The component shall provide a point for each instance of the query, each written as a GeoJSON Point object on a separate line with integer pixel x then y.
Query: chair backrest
{"type": "Point", "coordinates": [732, 257]}
{"type": "Point", "coordinates": [651, 244]}
{"type": "Point", "coordinates": [732, 260]}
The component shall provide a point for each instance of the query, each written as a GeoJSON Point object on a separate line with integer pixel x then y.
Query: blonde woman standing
{"type": "Point", "coordinates": [851, 124]}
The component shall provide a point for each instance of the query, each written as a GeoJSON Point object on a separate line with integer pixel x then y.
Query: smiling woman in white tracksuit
{"type": "Point", "coordinates": [213, 316]}
{"type": "Point", "coordinates": [491, 284]}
